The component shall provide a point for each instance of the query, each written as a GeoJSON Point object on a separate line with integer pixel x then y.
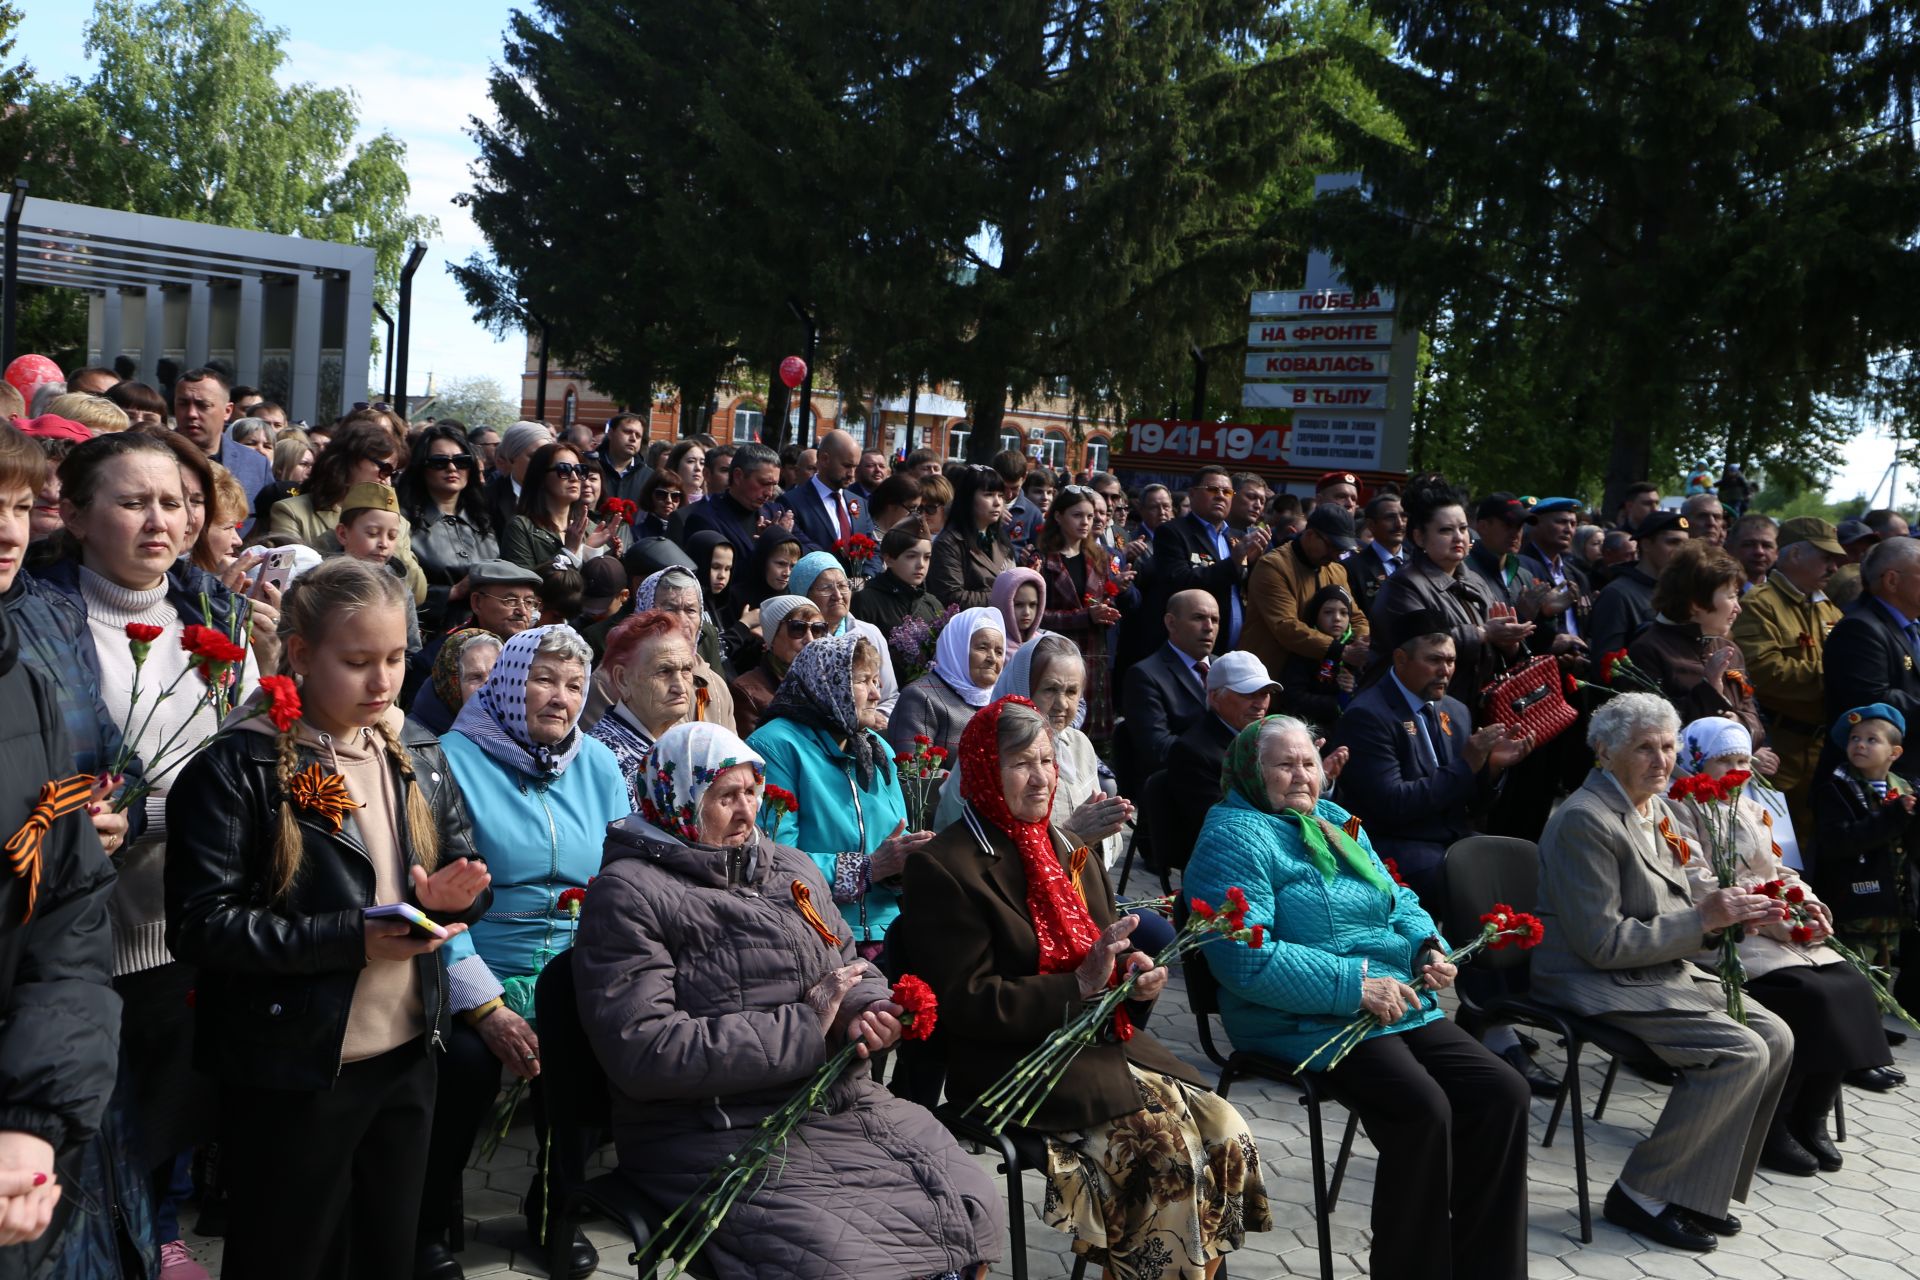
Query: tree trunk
{"type": "Point", "coordinates": [773, 428]}
{"type": "Point", "coordinates": [1628, 458]}
{"type": "Point", "coordinates": [989, 412]}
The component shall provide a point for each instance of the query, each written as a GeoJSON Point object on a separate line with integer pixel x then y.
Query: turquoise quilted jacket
{"type": "Point", "coordinates": [1289, 996]}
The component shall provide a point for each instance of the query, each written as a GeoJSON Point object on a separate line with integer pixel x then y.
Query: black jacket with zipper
{"type": "Point", "coordinates": [277, 980]}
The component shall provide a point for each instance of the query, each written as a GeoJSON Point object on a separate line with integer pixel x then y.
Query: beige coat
{"type": "Point", "coordinates": [1762, 950]}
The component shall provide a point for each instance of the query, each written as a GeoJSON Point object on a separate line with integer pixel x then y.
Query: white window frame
{"type": "Point", "coordinates": [746, 425]}
{"type": "Point", "coordinates": [1097, 454]}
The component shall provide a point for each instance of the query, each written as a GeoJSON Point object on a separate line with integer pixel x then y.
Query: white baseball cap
{"type": "Point", "coordinates": [1240, 672]}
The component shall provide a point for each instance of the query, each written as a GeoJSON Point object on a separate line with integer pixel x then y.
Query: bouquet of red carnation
{"type": "Point", "coordinates": [1623, 675]}
{"type": "Point", "coordinates": [923, 771]}
{"type": "Point", "coordinates": [856, 551]}
{"type": "Point", "coordinates": [1500, 928]}
{"type": "Point", "coordinates": [1016, 1097]}
{"type": "Point", "coordinates": [625, 510]}
{"type": "Point", "coordinates": [1715, 803]}
{"type": "Point", "coordinates": [776, 803]}
{"type": "Point", "coordinates": [216, 658]}
{"type": "Point", "coordinates": [690, 1226]}
{"type": "Point", "coordinates": [1806, 930]}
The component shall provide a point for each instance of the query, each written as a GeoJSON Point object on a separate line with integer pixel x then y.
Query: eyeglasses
{"type": "Point", "coordinates": [567, 469]}
{"type": "Point", "coordinates": [513, 604]}
{"type": "Point", "coordinates": [1215, 490]}
{"type": "Point", "coordinates": [669, 496]}
{"type": "Point", "coordinates": [1081, 491]}
{"type": "Point", "coordinates": [385, 469]}
{"type": "Point", "coordinates": [797, 629]}
{"type": "Point", "coordinates": [450, 461]}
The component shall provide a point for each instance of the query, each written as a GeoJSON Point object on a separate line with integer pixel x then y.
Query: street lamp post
{"type": "Point", "coordinates": [804, 435]}
{"type": "Point", "coordinates": [399, 401]}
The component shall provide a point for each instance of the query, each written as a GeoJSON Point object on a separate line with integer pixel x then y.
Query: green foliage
{"type": "Point", "coordinates": [1654, 229]}
{"type": "Point", "coordinates": [183, 117]}
{"type": "Point", "coordinates": [994, 193]}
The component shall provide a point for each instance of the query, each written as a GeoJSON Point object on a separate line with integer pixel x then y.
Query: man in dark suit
{"type": "Point", "coordinates": [1418, 770]}
{"type": "Point", "coordinates": [753, 478]}
{"type": "Point", "coordinates": [824, 508]}
{"type": "Point", "coordinates": [1239, 690]}
{"type": "Point", "coordinates": [1871, 652]}
{"type": "Point", "coordinates": [1195, 552]}
{"type": "Point", "coordinates": [1369, 568]}
{"type": "Point", "coordinates": [1167, 691]}
{"type": "Point", "coordinates": [1550, 525]}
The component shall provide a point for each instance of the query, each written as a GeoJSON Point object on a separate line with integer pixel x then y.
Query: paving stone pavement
{"type": "Point", "coordinates": [1862, 1223]}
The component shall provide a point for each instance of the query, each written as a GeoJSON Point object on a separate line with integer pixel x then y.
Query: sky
{"type": "Point", "coordinates": [420, 71]}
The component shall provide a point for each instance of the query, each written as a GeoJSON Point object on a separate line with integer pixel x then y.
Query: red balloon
{"type": "Point", "coordinates": [793, 371]}
{"type": "Point", "coordinates": [28, 372]}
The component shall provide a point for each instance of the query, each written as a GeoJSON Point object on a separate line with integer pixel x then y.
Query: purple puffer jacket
{"type": "Point", "coordinates": [692, 963]}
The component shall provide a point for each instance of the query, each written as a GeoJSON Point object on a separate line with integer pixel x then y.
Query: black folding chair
{"type": "Point", "coordinates": [1020, 1150]}
{"type": "Point", "coordinates": [574, 1092]}
{"type": "Point", "coordinates": [1483, 870]}
{"type": "Point", "coordinates": [1203, 993]}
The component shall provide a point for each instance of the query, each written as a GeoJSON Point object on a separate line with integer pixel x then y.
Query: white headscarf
{"type": "Point", "coordinates": [495, 717]}
{"type": "Point", "coordinates": [1709, 738]}
{"type": "Point", "coordinates": [1016, 678]}
{"type": "Point", "coordinates": [952, 651]}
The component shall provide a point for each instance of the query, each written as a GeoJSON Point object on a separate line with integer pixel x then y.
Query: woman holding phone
{"type": "Point", "coordinates": [320, 1023]}
{"type": "Point", "coordinates": [553, 523]}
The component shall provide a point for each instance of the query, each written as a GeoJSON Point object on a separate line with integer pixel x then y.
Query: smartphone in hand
{"type": "Point", "coordinates": [420, 925]}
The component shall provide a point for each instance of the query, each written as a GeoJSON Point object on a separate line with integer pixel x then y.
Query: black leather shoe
{"type": "Point", "coordinates": [584, 1260]}
{"type": "Point", "coordinates": [1820, 1146]}
{"type": "Point", "coordinates": [1878, 1079]}
{"type": "Point", "coordinates": [1672, 1226]}
{"type": "Point", "coordinates": [1542, 1084]}
{"type": "Point", "coordinates": [1727, 1226]}
{"type": "Point", "coordinates": [1783, 1155]}
{"type": "Point", "coordinates": [436, 1262]}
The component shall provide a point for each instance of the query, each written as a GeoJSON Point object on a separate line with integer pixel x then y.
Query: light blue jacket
{"type": "Point", "coordinates": [836, 815]}
{"type": "Point", "coordinates": [539, 840]}
{"type": "Point", "coordinates": [1288, 997]}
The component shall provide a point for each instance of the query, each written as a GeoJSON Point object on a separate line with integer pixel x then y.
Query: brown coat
{"type": "Point", "coordinates": [752, 693]}
{"type": "Point", "coordinates": [1278, 589]}
{"type": "Point", "coordinates": [1674, 654]}
{"type": "Point", "coordinates": [995, 1004]}
{"type": "Point", "coordinates": [963, 571]}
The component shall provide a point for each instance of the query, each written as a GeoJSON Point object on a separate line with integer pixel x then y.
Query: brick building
{"type": "Point", "coordinates": [1045, 424]}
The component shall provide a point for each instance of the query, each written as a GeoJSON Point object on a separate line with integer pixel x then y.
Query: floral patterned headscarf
{"type": "Point", "coordinates": [446, 666]}
{"type": "Point", "coordinates": [677, 771]}
{"type": "Point", "coordinates": [817, 691]}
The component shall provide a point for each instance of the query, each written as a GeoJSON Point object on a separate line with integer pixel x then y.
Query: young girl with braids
{"type": "Point", "coordinates": [320, 1024]}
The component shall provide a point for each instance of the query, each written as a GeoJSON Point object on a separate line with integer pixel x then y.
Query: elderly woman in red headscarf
{"type": "Point", "coordinates": [1144, 1163]}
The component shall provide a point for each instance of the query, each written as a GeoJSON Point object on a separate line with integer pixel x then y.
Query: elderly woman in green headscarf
{"type": "Point", "coordinates": [1447, 1116]}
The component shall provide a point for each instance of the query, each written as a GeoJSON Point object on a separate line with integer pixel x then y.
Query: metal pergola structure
{"type": "Point", "coordinates": [289, 315]}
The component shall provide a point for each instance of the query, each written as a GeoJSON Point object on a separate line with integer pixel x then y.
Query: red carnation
{"type": "Point", "coordinates": [938, 753]}
{"type": "Point", "coordinates": [1573, 686]}
{"type": "Point", "coordinates": [144, 632]}
{"type": "Point", "coordinates": [1259, 937]}
{"type": "Point", "coordinates": [1801, 934]}
{"type": "Point", "coordinates": [1113, 589]}
{"type": "Point", "coordinates": [1796, 895]}
{"type": "Point", "coordinates": [210, 647]}
{"type": "Point", "coordinates": [1202, 910]}
{"type": "Point", "coordinates": [572, 901]}
{"type": "Point", "coordinates": [919, 1011]}
{"type": "Point", "coordinates": [283, 700]}
{"type": "Point", "coordinates": [1122, 1025]}
{"type": "Point", "coordinates": [921, 739]}
{"type": "Point", "coordinates": [1393, 869]}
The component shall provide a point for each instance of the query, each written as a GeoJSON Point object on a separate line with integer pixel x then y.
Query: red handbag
{"type": "Point", "coordinates": [1528, 700]}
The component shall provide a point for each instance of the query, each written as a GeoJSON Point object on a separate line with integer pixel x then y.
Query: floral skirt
{"type": "Point", "coordinates": [1159, 1192]}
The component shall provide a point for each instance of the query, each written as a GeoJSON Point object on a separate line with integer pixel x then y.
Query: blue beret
{"type": "Point", "coordinates": [1872, 711]}
{"type": "Point", "coordinates": [1548, 506]}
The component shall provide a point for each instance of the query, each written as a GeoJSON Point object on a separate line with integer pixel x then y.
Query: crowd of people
{"type": "Point", "coordinates": [329, 742]}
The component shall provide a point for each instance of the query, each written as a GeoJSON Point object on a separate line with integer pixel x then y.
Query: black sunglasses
{"type": "Point", "coordinates": [386, 469]}
{"type": "Point", "coordinates": [567, 469]}
{"type": "Point", "coordinates": [797, 628]}
{"type": "Point", "coordinates": [450, 461]}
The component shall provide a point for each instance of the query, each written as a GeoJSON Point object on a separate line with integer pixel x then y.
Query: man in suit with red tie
{"type": "Point", "coordinates": [825, 511]}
